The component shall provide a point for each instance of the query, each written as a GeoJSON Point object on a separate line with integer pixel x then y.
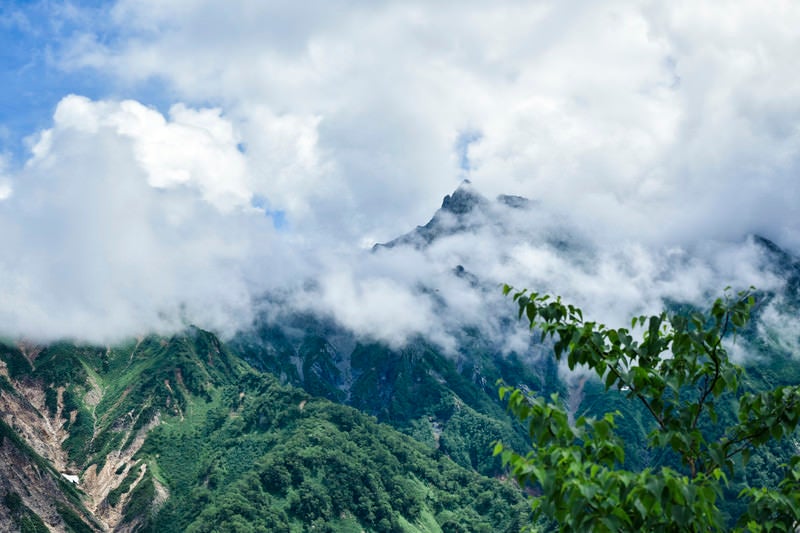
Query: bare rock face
{"type": "Point", "coordinates": [38, 482]}
{"type": "Point", "coordinates": [463, 200]}
{"type": "Point", "coordinates": [98, 484]}
{"type": "Point", "coordinates": [464, 210]}
{"type": "Point", "coordinates": [25, 412]}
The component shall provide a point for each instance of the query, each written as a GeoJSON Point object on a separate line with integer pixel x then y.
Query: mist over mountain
{"type": "Point", "coordinates": [169, 174]}
{"type": "Point", "coordinates": [366, 397]}
{"type": "Point", "coordinates": [430, 282]}
{"type": "Point", "coordinates": [446, 274]}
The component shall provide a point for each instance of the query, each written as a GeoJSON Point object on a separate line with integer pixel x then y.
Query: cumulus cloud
{"type": "Point", "coordinates": [124, 222]}
{"type": "Point", "coordinates": [195, 148]}
{"type": "Point", "coordinates": [653, 137]}
{"type": "Point", "coordinates": [656, 122]}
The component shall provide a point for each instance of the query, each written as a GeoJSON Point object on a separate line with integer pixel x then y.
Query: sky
{"type": "Point", "coordinates": [165, 163]}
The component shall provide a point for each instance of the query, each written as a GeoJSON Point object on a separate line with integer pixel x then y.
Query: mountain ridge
{"type": "Point", "coordinates": [452, 216]}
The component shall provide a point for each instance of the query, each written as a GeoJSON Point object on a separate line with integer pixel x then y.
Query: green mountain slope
{"type": "Point", "coordinates": [446, 401]}
{"type": "Point", "coordinates": [180, 434]}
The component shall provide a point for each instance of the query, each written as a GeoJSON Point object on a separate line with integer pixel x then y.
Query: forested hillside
{"type": "Point", "coordinates": [179, 434]}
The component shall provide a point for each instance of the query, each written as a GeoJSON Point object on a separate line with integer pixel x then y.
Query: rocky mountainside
{"type": "Point", "coordinates": [462, 211]}
{"type": "Point", "coordinates": [80, 415]}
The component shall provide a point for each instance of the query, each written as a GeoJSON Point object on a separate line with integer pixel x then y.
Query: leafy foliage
{"type": "Point", "coordinates": [681, 375]}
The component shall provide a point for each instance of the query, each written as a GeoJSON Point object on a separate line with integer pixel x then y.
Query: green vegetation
{"type": "Point", "coordinates": [16, 363]}
{"type": "Point", "coordinates": [140, 504]}
{"type": "Point", "coordinates": [447, 402]}
{"type": "Point", "coordinates": [123, 488]}
{"type": "Point", "coordinates": [235, 450]}
{"type": "Point", "coordinates": [26, 520]}
{"type": "Point", "coordinates": [280, 460]}
{"type": "Point", "coordinates": [72, 520]}
{"type": "Point", "coordinates": [703, 426]}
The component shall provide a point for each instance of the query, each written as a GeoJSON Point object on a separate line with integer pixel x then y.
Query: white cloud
{"type": "Point", "coordinates": [125, 222]}
{"type": "Point", "coordinates": [195, 148]}
{"type": "Point", "coordinates": [661, 122]}
{"type": "Point", "coordinates": [434, 291]}
{"type": "Point", "coordinates": [377, 307]}
{"type": "Point", "coordinates": [780, 329]}
{"type": "Point", "coordinates": [651, 129]}
{"type": "Point", "coordinates": [5, 182]}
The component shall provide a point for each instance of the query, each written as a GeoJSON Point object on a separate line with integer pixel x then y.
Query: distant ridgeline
{"type": "Point", "coordinates": [301, 424]}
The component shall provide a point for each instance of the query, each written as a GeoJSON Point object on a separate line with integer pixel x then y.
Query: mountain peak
{"type": "Point", "coordinates": [463, 200]}
{"type": "Point", "coordinates": [780, 261]}
{"type": "Point", "coordinates": [461, 211]}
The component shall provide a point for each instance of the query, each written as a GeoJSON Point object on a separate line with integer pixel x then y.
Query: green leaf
{"type": "Point", "coordinates": [611, 378]}
{"type": "Point", "coordinates": [498, 449]}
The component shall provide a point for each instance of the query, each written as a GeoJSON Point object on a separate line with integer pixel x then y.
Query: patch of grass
{"type": "Point", "coordinates": [25, 519]}
{"type": "Point", "coordinates": [116, 494]}
{"type": "Point", "coordinates": [72, 520]}
{"type": "Point", "coordinates": [141, 501]}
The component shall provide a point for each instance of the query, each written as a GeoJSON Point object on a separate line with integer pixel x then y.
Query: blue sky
{"type": "Point", "coordinates": [34, 37]}
{"type": "Point", "coordinates": [32, 82]}
{"type": "Point", "coordinates": [153, 136]}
